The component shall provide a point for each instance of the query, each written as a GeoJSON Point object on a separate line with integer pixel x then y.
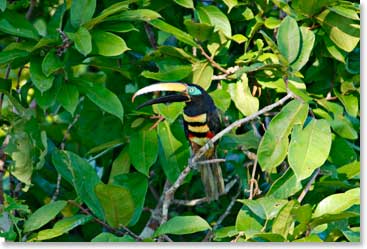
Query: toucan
{"type": "Point", "coordinates": [201, 123]}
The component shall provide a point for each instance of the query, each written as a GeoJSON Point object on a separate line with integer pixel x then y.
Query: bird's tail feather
{"type": "Point", "coordinates": [211, 176]}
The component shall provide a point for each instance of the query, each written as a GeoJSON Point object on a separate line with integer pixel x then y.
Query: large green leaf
{"type": "Point", "coordinates": [108, 44]}
{"type": "Point", "coordinates": [283, 222]}
{"type": "Point", "coordinates": [212, 15]}
{"type": "Point", "coordinates": [81, 174]}
{"type": "Point", "coordinates": [81, 11]}
{"type": "Point", "coordinates": [82, 40]}
{"type": "Point", "coordinates": [110, 10]}
{"type": "Point", "coordinates": [143, 150]}
{"type": "Point", "coordinates": [172, 156]}
{"type": "Point", "coordinates": [221, 98]}
{"type": "Point", "coordinates": [135, 15]}
{"type": "Point", "coordinates": [337, 203]}
{"type": "Point", "coordinates": [137, 184]}
{"type": "Point", "coordinates": [68, 97]}
{"type": "Point", "coordinates": [185, 3]}
{"type": "Point", "coordinates": [344, 32]}
{"type": "Point", "coordinates": [289, 39]}
{"type": "Point", "coordinates": [200, 31]}
{"type": "Point", "coordinates": [246, 222]}
{"type": "Point", "coordinates": [202, 73]}
{"type": "Point", "coordinates": [117, 203]}
{"type": "Point", "coordinates": [62, 226]}
{"type": "Point", "coordinates": [307, 42]}
{"type": "Point", "coordinates": [183, 225]}
{"type": "Point", "coordinates": [17, 25]}
{"type": "Point", "coordinates": [310, 7]}
{"type": "Point", "coordinates": [51, 63]}
{"type": "Point", "coordinates": [169, 112]}
{"type": "Point", "coordinates": [265, 207]}
{"type": "Point", "coordinates": [121, 165]}
{"type": "Point", "coordinates": [169, 73]}
{"type": "Point", "coordinates": [285, 186]}
{"type": "Point", "coordinates": [274, 144]}
{"type": "Point", "coordinates": [309, 148]}
{"type": "Point", "coordinates": [10, 55]}
{"type": "Point", "coordinates": [242, 97]}
{"type": "Point", "coordinates": [109, 237]}
{"type": "Point", "coordinates": [341, 152]}
{"type": "Point", "coordinates": [40, 80]}
{"type": "Point", "coordinates": [102, 97]}
{"type": "Point", "coordinates": [178, 33]}
{"type": "Point", "coordinates": [43, 215]}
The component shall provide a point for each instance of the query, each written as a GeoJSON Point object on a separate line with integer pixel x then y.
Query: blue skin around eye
{"type": "Point", "coordinates": [194, 91]}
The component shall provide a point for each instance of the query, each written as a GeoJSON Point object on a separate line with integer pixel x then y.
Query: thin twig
{"type": "Point", "coordinates": [30, 9]}
{"type": "Point", "coordinates": [150, 34]}
{"type": "Point", "coordinates": [169, 195]}
{"type": "Point", "coordinates": [308, 186]}
{"type": "Point", "coordinates": [104, 224]}
{"type": "Point", "coordinates": [253, 180]}
{"type": "Point", "coordinates": [215, 160]}
{"type": "Point", "coordinates": [210, 59]}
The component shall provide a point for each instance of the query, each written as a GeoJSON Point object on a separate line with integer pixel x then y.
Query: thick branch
{"type": "Point", "coordinates": [169, 195]}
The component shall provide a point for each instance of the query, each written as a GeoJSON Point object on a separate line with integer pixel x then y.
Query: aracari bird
{"type": "Point", "coordinates": [201, 123]}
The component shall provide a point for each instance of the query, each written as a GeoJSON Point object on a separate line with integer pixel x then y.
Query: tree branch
{"type": "Point", "coordinates": [169, 195]}
{"type": "Point", "coordinates": [253, 181]}
{"type": "Point", "coordinates": [210, 59]}
{"type": "Point", "coordinates": [308, 186]}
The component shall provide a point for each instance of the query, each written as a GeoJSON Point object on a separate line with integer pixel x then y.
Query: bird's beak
{"type": "Point", "coordinates": [159, 87]}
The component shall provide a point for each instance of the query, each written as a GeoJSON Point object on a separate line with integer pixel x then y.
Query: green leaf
{"type": "Point", "coordinates": [283, 222]}
{"type": "Point", "coordinates": [350, 170]}
{"type": "Point", "coordinates": [289, 39]}
{"type": "Point", "coordinates": [51, 63]}
{"type": "Point", "coordinates": [39, 79]}
{"type": "Point", "coordinates": [10, 55]}
{"type": "Point", "coordinates": [171, 156]}
{"type": "Point", "coordinates": [285, 186]}
{"type": "Point", "coordinates": [169, 112]}
{"type": "Point", "coordinates": [272, 22]}
{"type": "Point", "coordinates": [310, 7]}
{"type": "Point", "coordinates": [352, 236]}
{"type": "Point", "coordinates": [246, 141]}
{"type": "Point", "coordinates": [344, 32]}
{"type": "Point", "coordinates": [102, 97]}
{"type": "Point", "coordinates": [182, 225]}
{"type": "Point", "coordinates": [309, 148]}
{"type": "Point", "coordinates": [68, 97]}
{"type": "Point", "coordinates": [169, 73]}
{"type": "Point", "coordinates": [121, 165]}
{"type": "Point", "coordinates": [230, 4]}
{"type": "Point", "coordinates": [112, 9]}
{"type": "Point", "coordinates": [221, 98]}
{"type": "Point", "coordinates": [310, 238]}
{"type": "Point", "coordinates": [308, 40]}
{"type": "Point", "coordinates": [266, 237]}
{"type": "Point", "coordinates": [200, 31]}
{"type": "Point", "coordinates": [108, 44]}
{"type": "Point", "coordinates": [337, 203]}
{"type": "Point", "coordinates": [82, 40]}
{"type": "Point", "coordinates": [239, 38]}
{"type": "Point", "coordinates": [18, 26]}
{"type": "Point", "coordinates": [346, 12]}
{"type": "Point", "coordinates": [246, 222]}
{"type": "Point", "coordinates": [117, 204]}
{"type": "Point", "coordinates": [3, 5]}
{"type": "Point", "coordinates": [179, 34]}
{"type": "Point", "coordinates": [143, 150]}
{"type": "Point", "coordinates": [274, 144]}
{"type": "Point", "coordinates": [81, 11]}
{"type": "Point", "coordinates": [185, 3]}
{"type": "Point", "coordinates": [212, 15]}
{"type": "Point", "coordinates": [336, 52]}
{"type": "Point", "coordinates": [350, 103]}
{"type": "Point", "coordinates": [63, 226]}
{"type": "Point", "coordinates": [109, 237]}
{"type": "Point", "coordinates": [242, 97]}
{"type": "Point", "coordinates": [265, 207]}
{"type": "Point", "coordinates": [43, 215]}
{"type": "Point", "coordinates": [81, 175]}
{"type": "Point", "coordinates": [344, 128]}
{"type": "Point", "coordinates": [225, 232]}
{"type": "Point", "coordinates": [137, 184]}
{"type": "Point", "coordinates": [135, 15]}
{"type": "Point", "coordinates": [202, 73]}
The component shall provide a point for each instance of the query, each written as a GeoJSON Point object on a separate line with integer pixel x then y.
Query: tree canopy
{"type": "Point", "coordinates": [78, 162]}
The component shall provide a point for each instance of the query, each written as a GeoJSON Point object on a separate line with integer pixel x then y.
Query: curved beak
{"type": "Point", "coordinates": [159, 87]}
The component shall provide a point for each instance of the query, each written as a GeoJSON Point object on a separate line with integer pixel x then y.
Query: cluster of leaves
{"type": "Point", "coordinates": [70, 132]}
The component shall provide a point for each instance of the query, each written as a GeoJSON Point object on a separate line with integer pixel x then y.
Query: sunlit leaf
{"type": "Point", "coordinates": [183, 225]}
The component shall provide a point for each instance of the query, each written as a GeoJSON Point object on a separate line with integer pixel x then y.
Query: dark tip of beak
{"type": "Point", "coordinates": [164, 99]}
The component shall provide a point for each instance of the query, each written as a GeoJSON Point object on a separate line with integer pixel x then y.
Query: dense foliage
{"type": "Point", "coordinates": [80, 163]}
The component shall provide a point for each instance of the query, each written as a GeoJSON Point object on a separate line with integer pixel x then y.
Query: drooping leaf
{"type": "Point", "coordinates": [143, 150]}
{"type": "Point", "coordinates": [285, 186]}
{"type": "Point", "coordinates": [170, 73]}
{"type": "Point", "coordinates": [81, 175]}
{"type": "Point", "coordinates": [202, 74]}
{"type": "Point", "coordinates": [274, 144]}
{"type": "Point", "coordinates": [51, 63]}
{"type": "Point", "coordinates": [10, 55]}
{"type": "Point", "coordinates": [62, 226]}
{"type": "Point", "coordinates": [82, 40]}
{"type": "Point", "coordinates": [68, 97]}
{"type": "Point", "coordinates": [337, 203]}
{"type": "Point", "coordinates": [117, 203]}
{"type": "Point", "coordinates": [108, 44]}
{"type": "Point", "coordinates": [309, 148]}
{"type": "Point", "coordinates": [17, 25]}
{"type": "Point", "coordinates": [185, 3]}
{"type": "Point", "coordinates": [43, 215]}
{"type": "Point", "coordinates": [242, 97]}
{"type": "Point", "coordinates": [137, 184]}
{"type": "Point", "coordinates": [81, 11]}
{"type": "Point", "coordinates": [40, 80]}
{"type": "Point", "coordinates": [102, 97]}
{"type": "Point", "coordinates": [171, 156]}
{"type": "Point", "coordinates": [289, 39]}
{"type": "Point", "coordinates": [283, 222]}
{"type": "Point", "coordinates": [183, 225]}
